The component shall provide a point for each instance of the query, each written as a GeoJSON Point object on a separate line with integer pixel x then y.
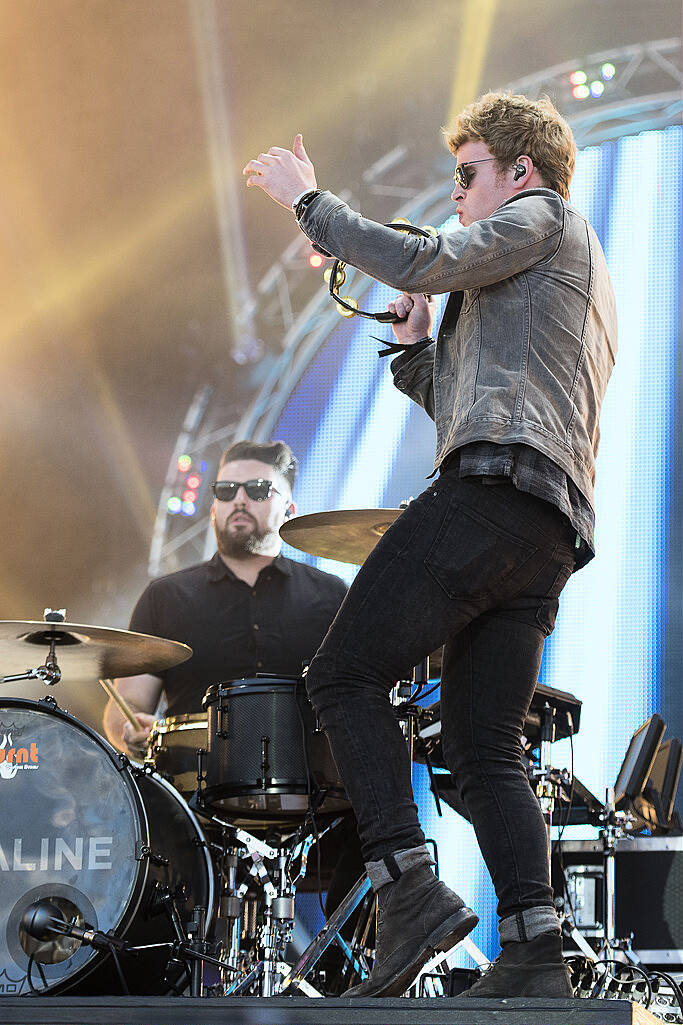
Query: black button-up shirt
{"type": "Point", "coordinates": [236, 630]}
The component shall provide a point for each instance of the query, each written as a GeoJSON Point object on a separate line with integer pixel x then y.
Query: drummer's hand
{"type": "Point", "coordinates": [136, 740]}
{"type": "Point", "coordinates": [420, 317]}
{"type": "Point", "coordinates": [282, 174]}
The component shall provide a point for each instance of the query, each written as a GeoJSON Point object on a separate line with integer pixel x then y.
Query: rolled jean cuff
{"type": "Point", "coordinates": [393, 866]}
{"type": "Point", "coordinates": [528, 924]}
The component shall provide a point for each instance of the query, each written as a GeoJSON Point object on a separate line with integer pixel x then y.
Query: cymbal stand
{"type": "Point", "coordinates": [50, 673]}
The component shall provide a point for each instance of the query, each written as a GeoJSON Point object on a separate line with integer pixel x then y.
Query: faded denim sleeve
{"type": "Point", "coordinates": [516, 236]}
{"type": "Point", "coordinates": [413, 375]}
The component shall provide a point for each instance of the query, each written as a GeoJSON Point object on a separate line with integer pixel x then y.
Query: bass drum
{"type": "Point", "coordinates": [98, 838]}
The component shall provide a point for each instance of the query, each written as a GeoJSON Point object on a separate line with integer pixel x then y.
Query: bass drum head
{"type": "Point", "coordinates": [96, 839]}
{"type": "Point", "coordinates": [71, 827]}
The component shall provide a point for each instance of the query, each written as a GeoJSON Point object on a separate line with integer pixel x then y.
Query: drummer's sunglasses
{"type": "Point", "coordinates": [257, 490]}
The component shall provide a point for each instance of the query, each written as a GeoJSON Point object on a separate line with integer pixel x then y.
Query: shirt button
{"type": "Point", "coordinates": [254, 592]}
{"type": "Point", "coordinates": [255, 626]}
{"type": "Point", "coordinates": [259, 665]}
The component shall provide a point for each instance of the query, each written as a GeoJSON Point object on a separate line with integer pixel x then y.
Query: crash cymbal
{"type": "Point", "coordinates": [85, 652]}
{"type": "Point", "coordinates": [346, 535]}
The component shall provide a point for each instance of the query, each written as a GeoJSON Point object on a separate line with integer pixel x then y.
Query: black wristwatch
{"type": "Point", "coordinates": [304, 202]}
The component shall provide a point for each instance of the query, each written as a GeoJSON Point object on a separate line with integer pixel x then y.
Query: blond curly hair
{"type": "Point", "coordinates": [512, 125]}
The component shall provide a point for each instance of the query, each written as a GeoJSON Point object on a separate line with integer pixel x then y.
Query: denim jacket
{"type": "Point", "coordinates": [528, 338]}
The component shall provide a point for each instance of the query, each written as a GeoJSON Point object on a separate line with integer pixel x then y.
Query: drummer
{"type": "Point", "coordinates": [247, 610]}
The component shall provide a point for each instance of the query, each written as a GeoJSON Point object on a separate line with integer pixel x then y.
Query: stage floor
{"type": "Point", "coordinates": [304, 1011]}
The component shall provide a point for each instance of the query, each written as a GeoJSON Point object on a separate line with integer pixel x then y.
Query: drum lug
{"type": "Point", "coordinates": [49, 701]}
{"type": "Point", "coordinates": [220, 728]}
{"type": "Point", "coordinates": [265, 765]}
{"type": "Point", "coordinates": [143, 852]}
{"type": "Point", "coordinates": [123, 762]}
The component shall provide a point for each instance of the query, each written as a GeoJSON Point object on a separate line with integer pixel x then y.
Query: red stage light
{"type": "Point", "coordinates": [189, 496]}
{"type": "Point", "coordinates": [193, 482]}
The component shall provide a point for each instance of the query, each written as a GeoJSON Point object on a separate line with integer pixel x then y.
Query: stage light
{"type": "Point", "coordinates": [578, 77]}
{"type": "Point", "coordinates": [193, 481]}
{"type": "Point", "coordinates": [189, 496]}
{"type": "Point", "coordinates": [597, 88]}
{"type": "Point", "coordinates": [608, 71]}
{"type": "Point", "coordinates": [184, 463]}
{"type": "Point", "coordinates": [580, 92]}
{"type": "Point", "coordinates": [174, 505]}
{"type": "Point", "coordinates": [315, 261]}
{"type": "Point", "coordinates": [189, 508]}
{"type": "Point", "coordinates": [202, 466]}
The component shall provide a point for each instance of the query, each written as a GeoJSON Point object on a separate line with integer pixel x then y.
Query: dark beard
{"type": "Point", "coordinates": [241, 546]}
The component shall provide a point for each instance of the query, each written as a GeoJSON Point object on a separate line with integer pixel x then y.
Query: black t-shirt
{"type": "Point", "coordinates": [236, 630]}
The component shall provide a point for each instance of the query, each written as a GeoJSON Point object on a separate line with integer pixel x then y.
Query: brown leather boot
{"type": "Point", "coordinates": [417, 916]}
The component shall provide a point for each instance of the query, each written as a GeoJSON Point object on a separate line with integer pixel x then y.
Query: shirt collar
{"type": "Point", "coordinates": [217, 569]}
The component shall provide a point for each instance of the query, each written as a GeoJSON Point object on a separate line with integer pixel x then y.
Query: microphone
{"type": "Point", "coordinates": [44, 920]}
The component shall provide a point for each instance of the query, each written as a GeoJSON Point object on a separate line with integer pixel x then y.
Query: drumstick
{"type": "Point", "coordinates": [122, 703]}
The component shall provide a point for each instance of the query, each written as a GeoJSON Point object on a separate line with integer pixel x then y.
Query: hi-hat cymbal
{"type": "Point", "coordinates": [346, 535]}
{"type": "Point", "coordinates": [85, 652]}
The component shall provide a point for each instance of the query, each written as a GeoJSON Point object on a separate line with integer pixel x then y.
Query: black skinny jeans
{"type": "Point", "coordinates": [477, 565]}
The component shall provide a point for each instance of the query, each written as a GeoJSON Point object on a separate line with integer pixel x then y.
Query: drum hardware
{"type": "Point", "coordinates": [50, 673]}
{"type": "Point", "coordinates": [270, 869]}
{"type": "Point", "coordinates": [265, 780]}
{"type": "Point", "coordinates": [330, 933]}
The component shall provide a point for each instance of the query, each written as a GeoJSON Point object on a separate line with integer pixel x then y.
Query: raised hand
{"type": "Point", "coordinates": [282, 174]}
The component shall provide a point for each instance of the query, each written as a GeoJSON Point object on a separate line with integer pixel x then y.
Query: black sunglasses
{"type": "Point", "coordinates": [257, 490]}
{"type": "Point", "coordinates": [461, 176]}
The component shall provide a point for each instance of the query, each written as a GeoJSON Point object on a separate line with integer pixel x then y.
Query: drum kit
{"type": "Point", "coordinates": [176, 872]}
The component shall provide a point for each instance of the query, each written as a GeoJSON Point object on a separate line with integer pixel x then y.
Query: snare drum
{"type": "Point", "coordinates": [265, 751]}
{"type": "Point", "coordinates": [97, 837]}
{"type": "Point", "coordinates": [173, 746]}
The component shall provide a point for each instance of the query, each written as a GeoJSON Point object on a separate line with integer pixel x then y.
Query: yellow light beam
{"type": "Point", "coordinates": [475, 33]}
